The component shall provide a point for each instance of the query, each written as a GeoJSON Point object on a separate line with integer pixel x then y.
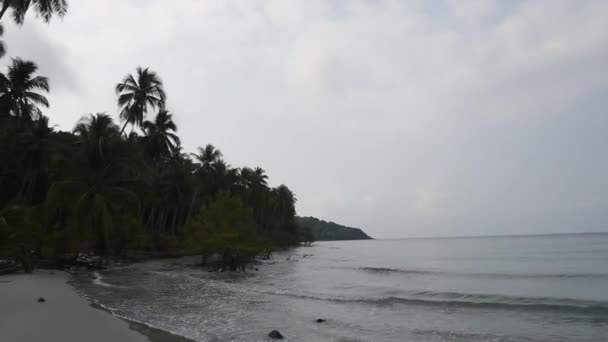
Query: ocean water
{"type": "Point", "coordinates": [524, 289]}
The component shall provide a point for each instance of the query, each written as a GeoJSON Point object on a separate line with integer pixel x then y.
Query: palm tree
{"type": "Point", "coordinates": [137, 94]}
{"type": "Point", "coordinates": [18, 88]}
{"type": "Point", "coordinates": [260, 176]}
{"type": "Point", "coordinates": [37, 150]}
{"type": "Point", "coordinates": [208, 156]}
{"type": "Point", "coordinates": [2, 44]}
{"type": "Point", "coordinates": [43, 8]}
{"type": "Point", "coordinates": [98, 192]}
{"type": "Point", "coordinates": [160, 134]}
{"type": "Point", "coordinates": [254, 179]}
{"type": "Point", "coordinates": [96, 128]}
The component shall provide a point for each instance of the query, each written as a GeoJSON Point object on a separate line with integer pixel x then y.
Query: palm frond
{"type": "Point", "coordinates": [37, 98]}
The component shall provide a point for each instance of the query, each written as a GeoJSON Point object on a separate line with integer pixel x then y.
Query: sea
{"type": "Point", "coordinates": [491, 289]}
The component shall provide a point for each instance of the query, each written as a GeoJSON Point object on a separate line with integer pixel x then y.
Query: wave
{"type": "Point", "coordinates": [114, 312]}
{"type": "Point", "coordinates": [444, 335]}
{"type": "Point", "coordinates": [382, 270]}
{"type": "Point", "coordinates": [98, 280]}
{"type": "Point", "coordinates": [454, 300]}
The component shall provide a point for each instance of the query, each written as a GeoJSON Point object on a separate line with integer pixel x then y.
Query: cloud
{"type": "Point", "coordinates": [36, 44]}
{"type": "Point", "coordinates": [376, 113]}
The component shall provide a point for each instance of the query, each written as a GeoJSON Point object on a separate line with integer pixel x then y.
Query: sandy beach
{"type": "Point", "coordinates": [64, 316]}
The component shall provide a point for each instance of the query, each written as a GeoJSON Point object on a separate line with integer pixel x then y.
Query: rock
{"type": "Point", "coordinates": [320, 320]}
{"type": "Point", "coordinates": [41, 300]}
{"type": "Point", "coordinates": [275, 335]}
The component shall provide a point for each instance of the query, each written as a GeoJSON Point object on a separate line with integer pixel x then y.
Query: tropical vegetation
{"type": "Point", "coordinates": [314, 229]}
{"type": "Point", "coordinates": [101, 190]}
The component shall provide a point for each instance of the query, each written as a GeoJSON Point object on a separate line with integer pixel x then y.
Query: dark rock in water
{"type": "Point", "coordinates": [320, 320]}
{"type": "Point", "coordinates": [41, 300]}
{"type": "Point", "coordinates": [275, 335]}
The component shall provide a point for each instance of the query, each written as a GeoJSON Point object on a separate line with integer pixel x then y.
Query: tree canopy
{"type": "Point", "coordinates": [98, 190]}
{"type": "Point", "coordinates": [46, 9]}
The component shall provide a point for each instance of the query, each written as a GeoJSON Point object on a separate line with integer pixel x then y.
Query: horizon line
{"type": "Point", "coordinates": [492, 236]}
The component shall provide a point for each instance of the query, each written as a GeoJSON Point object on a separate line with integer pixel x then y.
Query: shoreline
{"type": "Point", "coordinates": [64, 315]}
{"type": "Point", "coordinates": [152, 333]}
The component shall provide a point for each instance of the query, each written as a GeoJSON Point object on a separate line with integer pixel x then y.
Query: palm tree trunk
{"type": "Point", "coordinates": [5, 6]}
{"type": "Point", "coordinates": [123, 127]}
{"type": "Point", "coordinates": [165, 219]}
{"type": "Point", "coordinates": [159, 220]}
{"type": "Point", "coordinates": [150, 219]}
{"type": "Point", "coordinates": [174, 224]}
{"type": "Point", "coordinates": [189, 214]}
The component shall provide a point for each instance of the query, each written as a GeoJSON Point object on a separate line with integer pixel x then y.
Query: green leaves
{"type": "Point", "coordinates": [161, 139]}
{"type": "Point", "coordinates": [138, 94]}
{"type": "Point", "coordinates": [20, 227]}
{"type": "Point", "coordinates": [18, 90]}
{"type": "Point", "coordinates": [226, 227]}
{"type": "Point", "coordinates": [43, 8]}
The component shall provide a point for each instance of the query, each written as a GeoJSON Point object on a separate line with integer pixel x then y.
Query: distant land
{"type": "Point", "coordinates": [330, 231]}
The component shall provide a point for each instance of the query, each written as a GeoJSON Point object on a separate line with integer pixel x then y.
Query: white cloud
{"type": "Point", "coordinates": [345, 101]}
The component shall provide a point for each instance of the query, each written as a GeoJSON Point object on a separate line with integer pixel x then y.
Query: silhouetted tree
{"type": "Point", "coordinates": [18, 87]}
{"type": "Point", "coordinates": [97, 194]}
{"type": "Point", "coordinates": [137, 94]}
{"type": "Point", "coordinates": [2, 43]}
{"type": "Point", "coordinates": [160, 135]}
{"type": "Point", "coordinates": [43, 8]}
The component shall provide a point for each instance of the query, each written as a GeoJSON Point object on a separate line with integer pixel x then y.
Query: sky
{"type": "Point", "coordinates": [406, 118]}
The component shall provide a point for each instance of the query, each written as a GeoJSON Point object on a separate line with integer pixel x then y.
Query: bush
{"type": "Point", "coordinates": [227, 228]}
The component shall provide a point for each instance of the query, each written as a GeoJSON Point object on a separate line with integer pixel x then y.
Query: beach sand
{"type": "Point", "coordinates": [64, 316]}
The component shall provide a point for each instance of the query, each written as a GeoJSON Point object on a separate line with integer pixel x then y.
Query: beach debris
{"type": "Point", "coordinates": [321, 320]}
{"type": "Point", "coordinates": [41, 300]}
{"type": "Point", "coordinates": [275, 335]}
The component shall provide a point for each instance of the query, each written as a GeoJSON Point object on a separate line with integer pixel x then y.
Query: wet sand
{"type": "Point", "coordinates": [64, 316]}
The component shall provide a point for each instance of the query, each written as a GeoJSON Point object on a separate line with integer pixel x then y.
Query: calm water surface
{"type": "Point", "coordinates": [542, 288]}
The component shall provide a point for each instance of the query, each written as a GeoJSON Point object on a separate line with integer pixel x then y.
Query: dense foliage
{"type": "Point", "coordinates": [104, 189]}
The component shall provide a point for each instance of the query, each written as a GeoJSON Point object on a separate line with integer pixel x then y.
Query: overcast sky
{"type": "Point", "coordinates": [406, 118]}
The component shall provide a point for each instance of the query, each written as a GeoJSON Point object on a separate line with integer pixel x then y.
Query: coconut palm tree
{"type": "Point", "coordinates": [260, 176]}
{"type": "Point", "coordinates": [160, 135]}
{"type": "Point", "coordinates": [137, 94]}
{"type": "Point", "coordinates": [37, 150]}
{"type": "Point", "coordinates": [43, 8]}
{"type": "Point", "coordinates": [98, 192]}
{"type": "Point", "coordinates": [208, 156]}
{"type": "Point", "coordinates": [254, 179]}
{"type": "Point", "coordinates": [96, 129]}
{"type": "Point", "coordinates": [2, 44]}
{"type": "Point", "coordinates": [18, 88]}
